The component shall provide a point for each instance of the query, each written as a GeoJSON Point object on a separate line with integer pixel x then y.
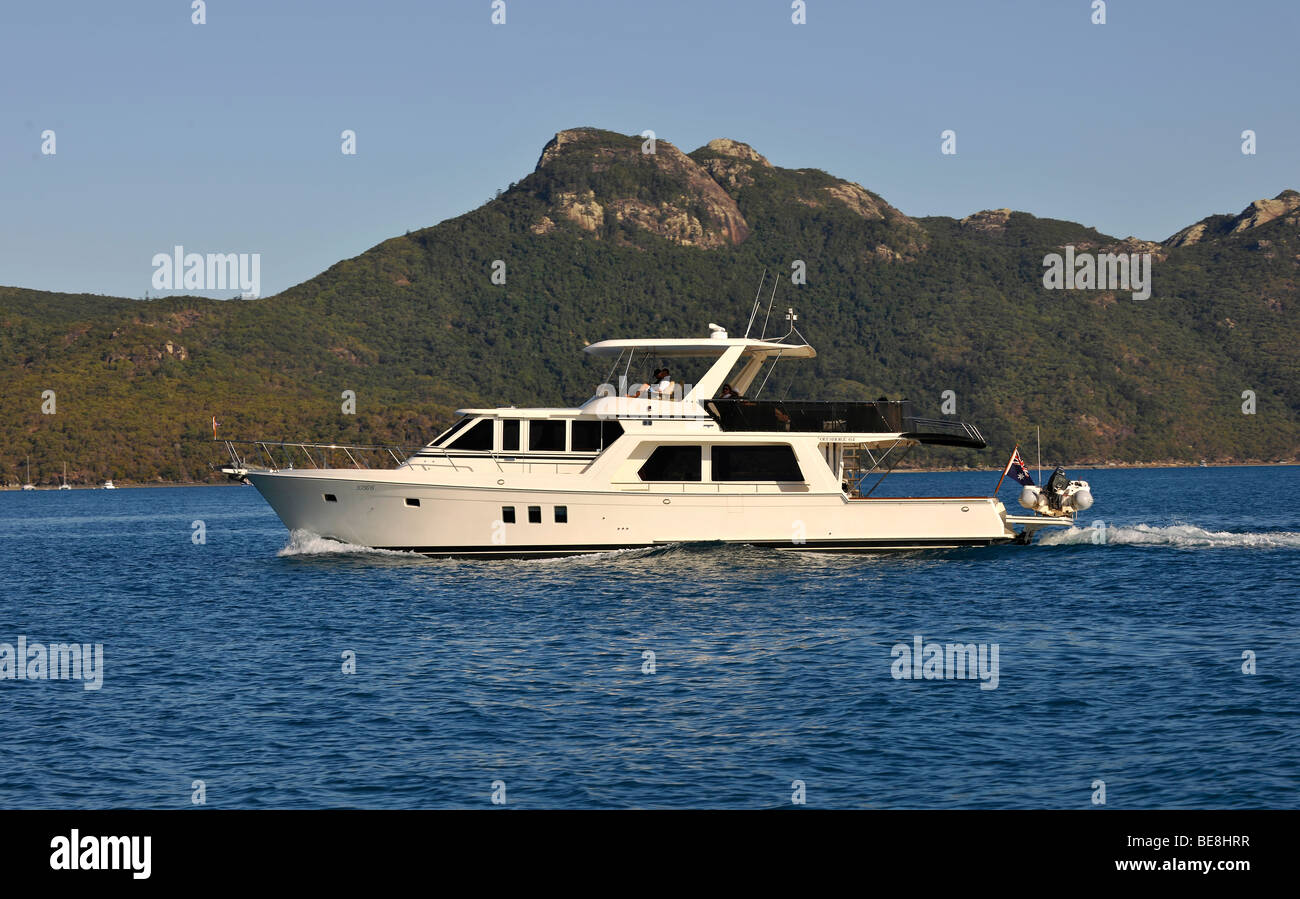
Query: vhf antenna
{"type": "Point", "coordinates": [775, 281]}
{"type": "Point", "coordinates": [753, 312]}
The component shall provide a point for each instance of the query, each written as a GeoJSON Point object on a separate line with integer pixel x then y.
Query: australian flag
{"type": "Point", "coordinates": [1016, 468]}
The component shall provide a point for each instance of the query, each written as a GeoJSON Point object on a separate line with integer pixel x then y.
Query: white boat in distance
{"type": "Point", "coordinates": [108, 485]}
{"type": "Point", "coordinates": [670, 464]}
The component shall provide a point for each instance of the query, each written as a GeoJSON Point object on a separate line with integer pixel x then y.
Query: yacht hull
{"type": "Point", "coordinates": [398, 513]}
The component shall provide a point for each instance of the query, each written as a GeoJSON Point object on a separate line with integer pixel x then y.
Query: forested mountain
{"type": "Point", "coordinates": [604, 240]}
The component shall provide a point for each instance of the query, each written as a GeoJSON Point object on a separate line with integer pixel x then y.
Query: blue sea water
{"type": "Point", "coordinates": [1119, 661]}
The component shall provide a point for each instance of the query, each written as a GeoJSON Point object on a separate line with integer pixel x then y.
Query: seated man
{"type": "Point", "coordinates": [729, 394]}
{"type": "Point", "coordinates": [665, 388]}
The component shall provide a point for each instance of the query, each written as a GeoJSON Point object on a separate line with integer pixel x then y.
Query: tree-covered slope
{"type": "Point", "coordinates": [603, 240]}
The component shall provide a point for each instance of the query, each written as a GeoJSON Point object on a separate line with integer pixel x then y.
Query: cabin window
{"type": "Point", "coordinates": [546, 436]}
{"type": "Point", "coordinates": [594, 436]}
{"type": "Point", "coordinates": [561, 514]}
{"type": "Point", "coordinates": [413, 502]}
{"type": "Point", "coordinates": [508, 514]}
{"type": "Point", "coordinates": [453, 430]}
{"type": "Point", "coordinates": [478, 437]}
{"type": "Point", "coordinates": [755, 463]}
{"type": "Point", "coordinates": [672, 463]}
{"type": "Point", "coordinates": [534, 514]}
{"type": "Point", "coordinates": [510, 435]}
{"type": "Point", "coordinates": [331, 498]}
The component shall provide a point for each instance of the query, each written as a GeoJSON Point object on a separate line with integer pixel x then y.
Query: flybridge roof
{"type": "Point", "coordinates": [702, 346]}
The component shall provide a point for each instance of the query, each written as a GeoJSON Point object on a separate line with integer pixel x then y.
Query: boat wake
{"type": "Point", "coordinates": [305, 543]}
{"type": "Point", "coordinates": [1182, 536]}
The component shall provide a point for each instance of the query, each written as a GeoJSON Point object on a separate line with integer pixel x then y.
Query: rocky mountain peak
{"type": "Point", "coordinates": [725, 146]}
{"type": "Point", "coordinates": [607, 184]}
{"type": "Point", "coordinates": [1285, 205]}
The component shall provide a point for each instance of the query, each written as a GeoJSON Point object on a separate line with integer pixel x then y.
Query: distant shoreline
{"type": "Point", "coordinates": [1091, 466]}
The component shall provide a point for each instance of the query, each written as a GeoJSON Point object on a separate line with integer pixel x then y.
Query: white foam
{"type": "Point", "coordinates": [305, 543]}
{"type": "Point", "coordinates": [1176, 535]}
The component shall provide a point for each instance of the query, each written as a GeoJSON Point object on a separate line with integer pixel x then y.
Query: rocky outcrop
{"type": "Point", "coordinates": [664, 192]}
{"type": "Point", "coordinates": [861, 201]}
{"type": "Point", "coordinates": [1189, 235]}
{"type": "Point", "coordinates": [729, 162]}
{"type": "Point", "coordinates": [1285, 205]}
{"type": "Point", "coordinates": [734, 148]}
{"type": "Point", "coordinates": [987, 221]}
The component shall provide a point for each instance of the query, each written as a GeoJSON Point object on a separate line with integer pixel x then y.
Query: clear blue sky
{"type": "Point", "coordinates": [224, 137]}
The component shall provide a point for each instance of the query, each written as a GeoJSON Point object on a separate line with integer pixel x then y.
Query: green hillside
{"type": "Point", "coordinates": [604, 241]}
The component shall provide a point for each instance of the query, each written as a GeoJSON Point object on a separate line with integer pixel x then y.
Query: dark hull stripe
{"type": "Point", "coordinates": [540, 551]}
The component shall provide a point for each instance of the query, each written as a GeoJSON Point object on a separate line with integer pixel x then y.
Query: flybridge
{"type": "Point", "coordinates": [728, 352]}
{"type": "Point", "coordinates": [743, 414]}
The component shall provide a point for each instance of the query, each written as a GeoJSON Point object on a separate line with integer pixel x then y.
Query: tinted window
{"type": "Point", "coordinates": [586, 436]}
{"type": "Point", "coordinates": [534, 514]}
{"type": "Point", "coordinates": [672, 463]}
{"type": "Point", "coordinates": [508, 514]}
{"type": "Point", "coordinates": [478, 437]}
{"type": "Point", "coordinates": [412, 502]}
{"type": "Point", "coordinates": [594, 436]}
{"type": "Point", "coordinates": [561, 514]}
{"type": "Point", "coordinates": [510, 435]}
{"type": "Point", "coordinates": [453, 430]}
{"type": "Point", "coordinates": [546, 435]}
{"type": "Point", "coordinates": [755, 463]}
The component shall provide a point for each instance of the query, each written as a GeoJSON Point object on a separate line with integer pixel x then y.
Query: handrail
{"type": "Point", "coordinates": [287, 447]}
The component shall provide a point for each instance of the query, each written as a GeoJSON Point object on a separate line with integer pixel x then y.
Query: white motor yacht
{"type": "Point", "coordinates": [643, 465]}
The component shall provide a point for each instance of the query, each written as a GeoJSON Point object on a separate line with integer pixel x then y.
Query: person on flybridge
{"type": "Point", "coordinates": [665, 387]}
{"type": "Point", "coordinates": [662, 387]}
{"type": "Point", "coordinates": [644, 387]}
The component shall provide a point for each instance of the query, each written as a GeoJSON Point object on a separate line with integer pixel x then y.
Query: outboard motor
{"type": "Point", "coordinates": [1059, 497]}
{"type": "Point", "coordinates": [1055, 489]}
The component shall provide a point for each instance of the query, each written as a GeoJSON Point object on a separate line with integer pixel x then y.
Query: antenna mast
{"type": "Point", "coordinates": [769, 309]}
{"type": "Point", "coordinates": [753, 311]}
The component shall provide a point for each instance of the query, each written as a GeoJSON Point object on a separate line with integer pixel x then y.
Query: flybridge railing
{"type": "Point", "coordinates": [276, 455]}
{"type": "Point", "coordinates": [946, 432]}
{"type": "Point", "coordinates": [880, 417]}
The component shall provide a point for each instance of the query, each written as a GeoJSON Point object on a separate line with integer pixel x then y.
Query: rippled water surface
{"type": "Point", "coordinates": [1120, 659]}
